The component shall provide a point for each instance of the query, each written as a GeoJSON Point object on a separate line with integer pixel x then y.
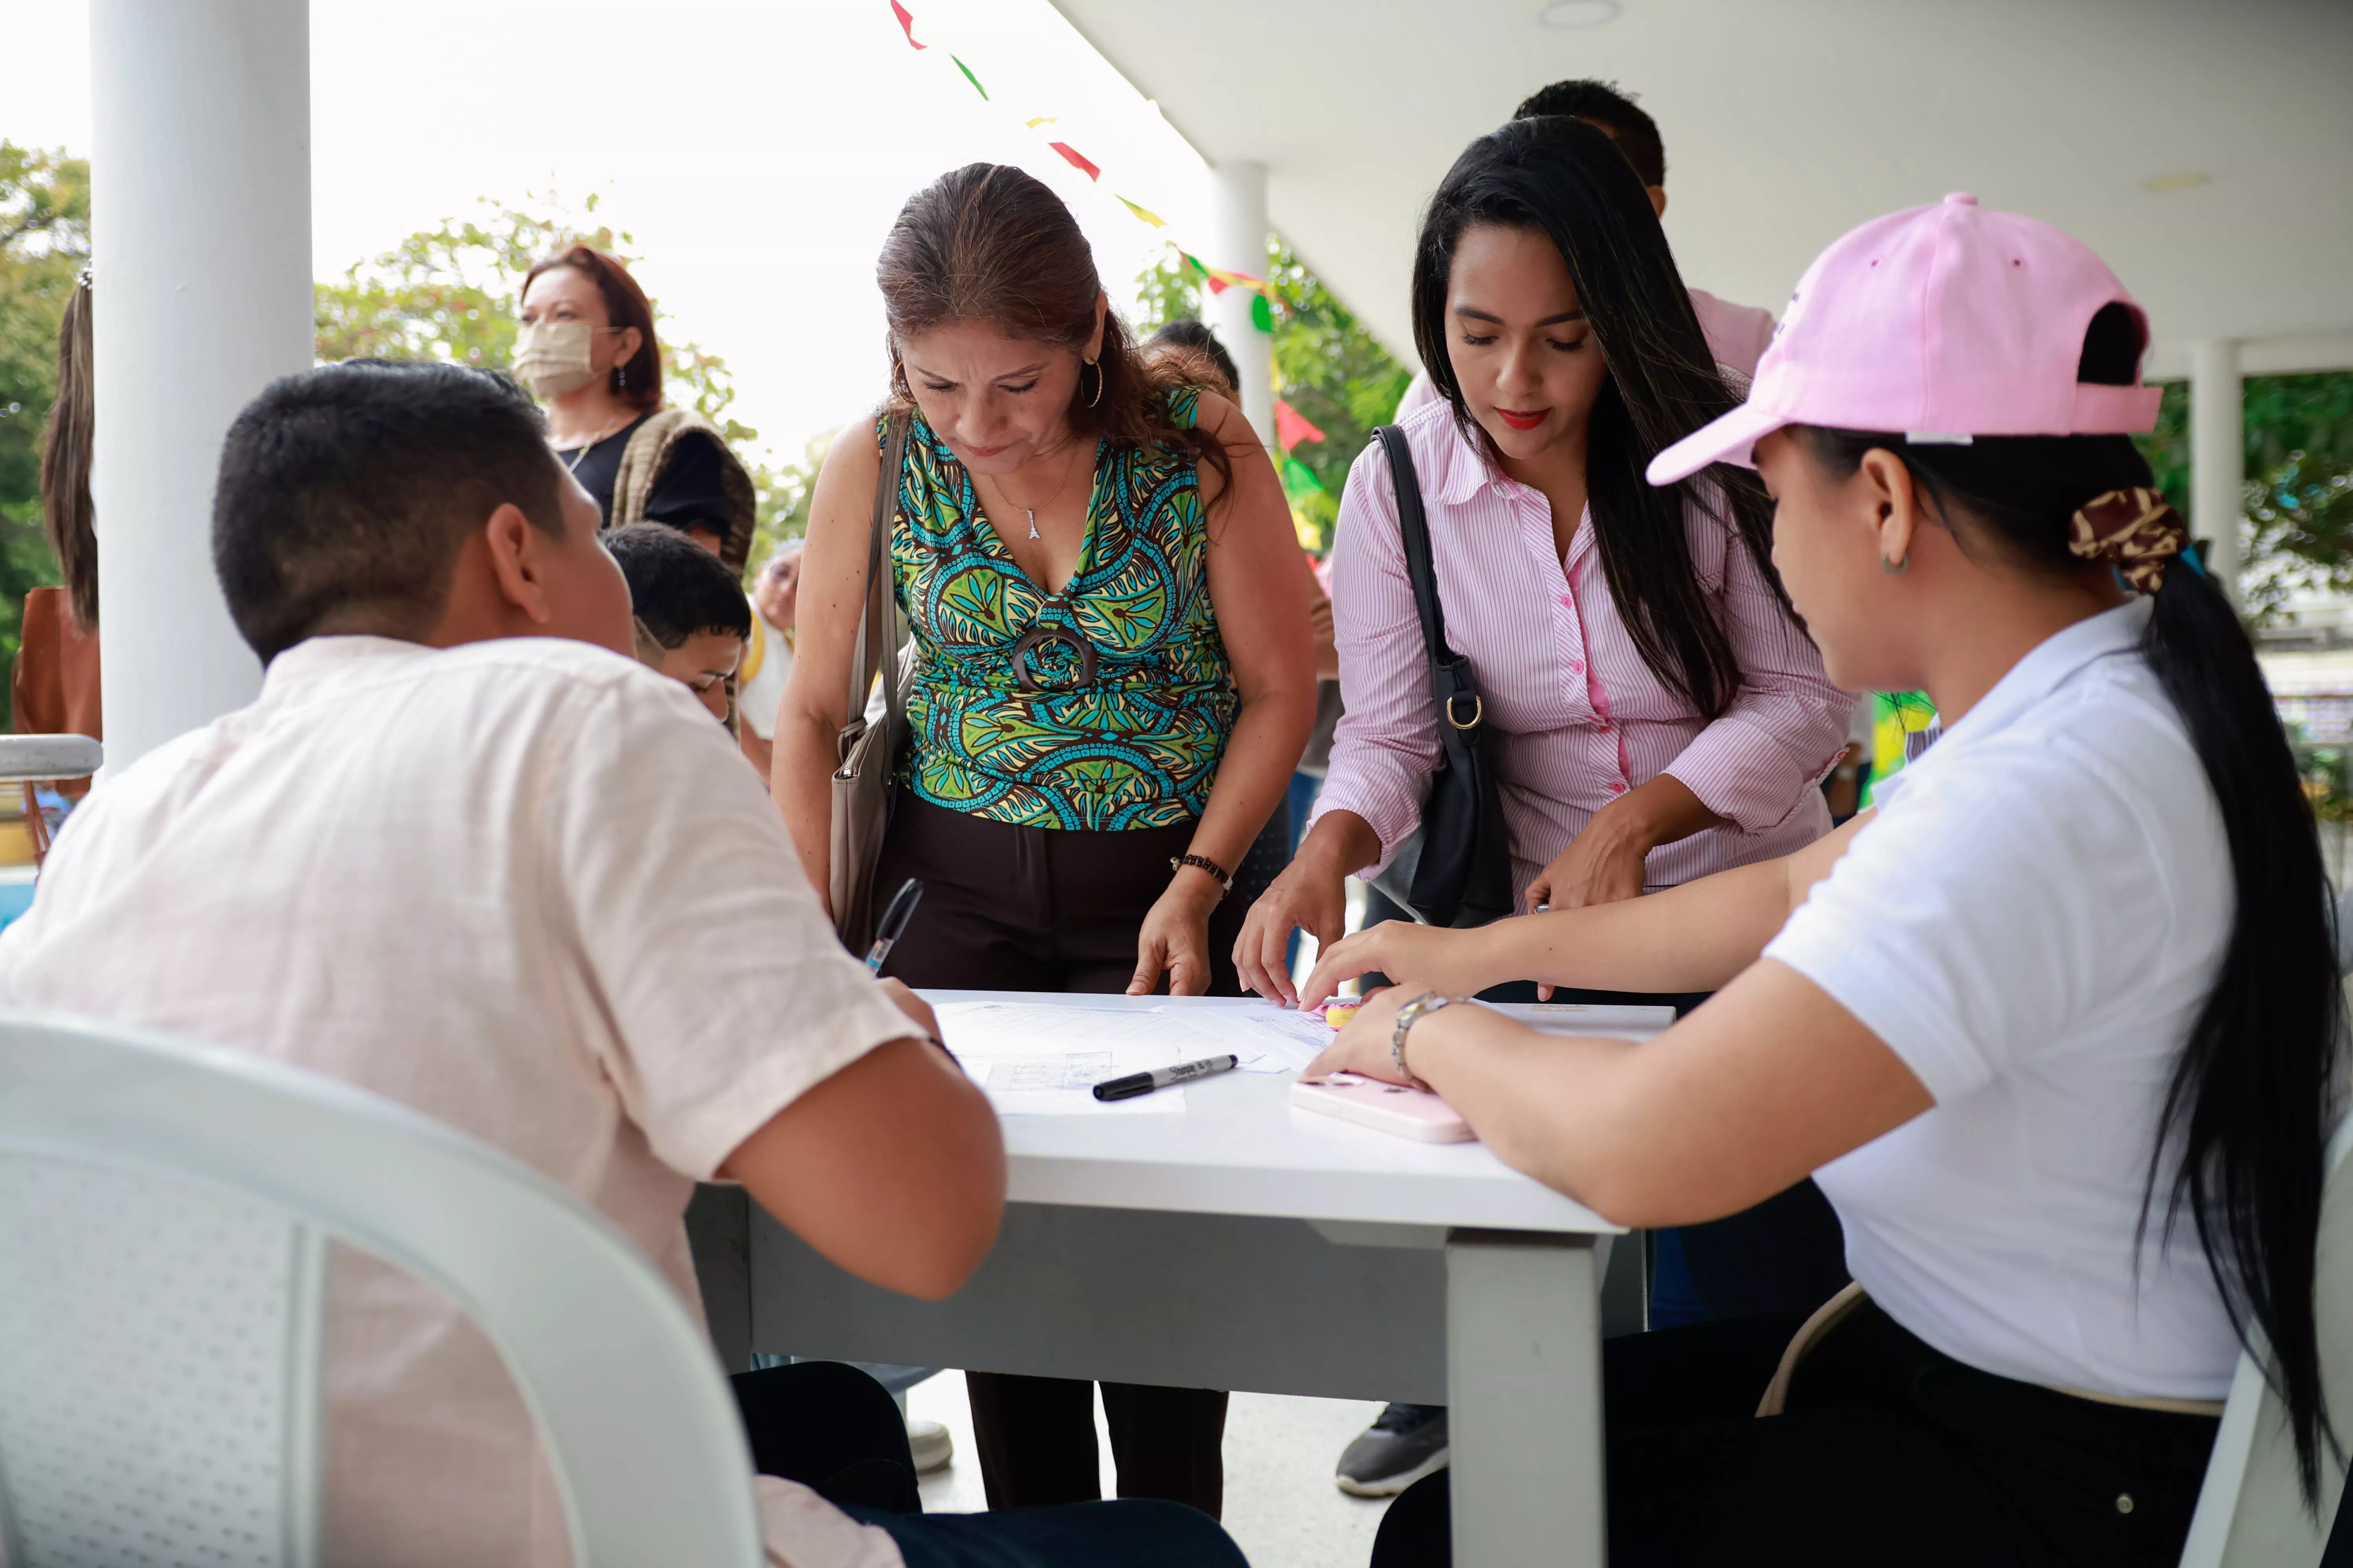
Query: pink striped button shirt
{"type": "Point", "coordinates": [1574, 717]}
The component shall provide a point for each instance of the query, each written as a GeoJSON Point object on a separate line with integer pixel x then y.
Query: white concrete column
{"type": "Point", "coordinates": [200, 219]}
{"type": "Point", "coordinates": [1237, 232]}
{"type": "Point", "coordinates": [2217, 454]}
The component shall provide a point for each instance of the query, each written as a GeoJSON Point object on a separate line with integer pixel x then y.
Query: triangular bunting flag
{"type": "Point", "coordinates": [907, 25]}
{"type": "Point", "coordinates": [1292, 426]}
{"type": "Point", "coordinates": [1078, 160]}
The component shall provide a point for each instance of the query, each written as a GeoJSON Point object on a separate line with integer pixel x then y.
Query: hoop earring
{"type": "Point", "coordinates": [899, 388]}
{"type": "Point", "coordinates": [1895, 568]}
{"type": "Point", "coordinates": [1098, 369]}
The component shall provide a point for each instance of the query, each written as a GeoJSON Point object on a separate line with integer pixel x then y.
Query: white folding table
{"type": "Point", "coordinates": [1245, 1245]}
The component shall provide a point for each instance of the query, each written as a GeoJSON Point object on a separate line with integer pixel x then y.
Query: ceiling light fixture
{"type": "Point", "coordinates": [2158, 185]}
{"type": "Point", "coordinates": [1576, 16]}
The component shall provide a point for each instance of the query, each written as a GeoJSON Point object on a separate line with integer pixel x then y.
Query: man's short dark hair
{"type": "Point", "coordinates": [345, 493]}
{"type": "Point", "coordinates": [677, 588]}
{"type": "Point", "coordinates": [1601, 104]}
{"type": "Point", "coordinates": [1187, 332]}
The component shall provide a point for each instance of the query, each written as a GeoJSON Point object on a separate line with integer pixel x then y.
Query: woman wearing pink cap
{"type": "Point", "coordinates": [2054, 1025]}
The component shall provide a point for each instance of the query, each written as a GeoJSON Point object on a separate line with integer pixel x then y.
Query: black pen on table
{"type": "Point", "coordinates": [895, 916]}
{"type": "Point", "coordinates": [1137, 1083]}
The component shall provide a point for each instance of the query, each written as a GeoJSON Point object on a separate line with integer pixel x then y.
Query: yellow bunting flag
{"type": "Point", "coordinates": [1146, 213]}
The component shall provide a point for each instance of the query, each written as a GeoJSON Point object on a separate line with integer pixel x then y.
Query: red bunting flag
{"type": "Point", "coordinates": [1078, 160]}
{"type": "Point", "coordinates": [907, 24]}
{"type": "Point", "coordinates": [1291, 427]}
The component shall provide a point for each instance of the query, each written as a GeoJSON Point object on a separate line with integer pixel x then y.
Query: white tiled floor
{"type": "Point", "coordinates": [1281, 1504]}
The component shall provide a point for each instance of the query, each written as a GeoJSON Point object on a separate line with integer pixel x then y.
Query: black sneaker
{"type": "Point", "coordinates": [1407, 1443]}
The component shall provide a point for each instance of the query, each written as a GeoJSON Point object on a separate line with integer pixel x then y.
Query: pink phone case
{"type": "Point", "coordinates": [1414, 1113]}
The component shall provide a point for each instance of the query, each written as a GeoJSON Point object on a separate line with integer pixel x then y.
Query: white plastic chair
{"type": "Point", "coordinates": [2251, 1512]}
{"type": "Point", "coordinates": [164, 1210]}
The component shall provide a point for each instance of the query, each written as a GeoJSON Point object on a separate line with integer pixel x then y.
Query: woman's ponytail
{"type": "Point", "coordinates": [2243, 1130]}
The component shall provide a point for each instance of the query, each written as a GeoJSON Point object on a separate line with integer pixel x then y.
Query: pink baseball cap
{"type": "Point", "coordinates": [1941, 323]}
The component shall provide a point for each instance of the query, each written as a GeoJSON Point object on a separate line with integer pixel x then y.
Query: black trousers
{"type": "Point", "coordinates": [1888, 1452]}
{"type": "Point", "coordinates": [1043, 908]}
{"type": "Point", "coordinates": [1034, 909]}
{"type": "Point", "coordinates": [833, 1429]}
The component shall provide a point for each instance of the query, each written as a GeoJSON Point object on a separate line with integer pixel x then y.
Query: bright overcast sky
{"type": "Point", "coordinates": [756, 151]}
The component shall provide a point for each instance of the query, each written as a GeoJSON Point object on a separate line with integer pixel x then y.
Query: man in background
{"type": "Point", "coordinates": [768, 657]}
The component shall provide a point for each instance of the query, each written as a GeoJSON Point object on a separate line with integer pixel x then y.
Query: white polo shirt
{"type": "Point", "coordinates": [528, 888]}
{"type": "Point", "coordinates": [2031, 923]}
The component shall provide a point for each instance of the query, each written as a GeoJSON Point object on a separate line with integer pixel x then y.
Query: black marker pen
{"type": "Point", "coordinates": [1137, 1083]}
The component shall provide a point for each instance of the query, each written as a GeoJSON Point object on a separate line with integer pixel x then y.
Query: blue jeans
{"type": "Point", "coordinates": [834, 1430]}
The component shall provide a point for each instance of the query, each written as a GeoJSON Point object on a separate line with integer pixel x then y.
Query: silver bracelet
{"type": "Point", "coordinates": [1410, 1015]}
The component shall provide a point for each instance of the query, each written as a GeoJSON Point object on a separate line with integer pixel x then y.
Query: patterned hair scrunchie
{"type": "Point", "coordinates": [2134, 531]}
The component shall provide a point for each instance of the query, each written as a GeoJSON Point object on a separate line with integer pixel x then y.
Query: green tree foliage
{"type": "Point", "coordinates": [2299, 532]}
{"type": "Point", "coordinates": [43, 246]}
{"type": "Point", "coordinates": [1331, 369]}
{"type": "Point", "coordinates": [449, 293]}
{"type": "Point", "coordinates": [784, 494]}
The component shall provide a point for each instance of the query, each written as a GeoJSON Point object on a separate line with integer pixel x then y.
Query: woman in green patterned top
{"type": "Point", "coordinates": [1114, 683]}
{"type": "Point", "coordinates": [1108, 605]}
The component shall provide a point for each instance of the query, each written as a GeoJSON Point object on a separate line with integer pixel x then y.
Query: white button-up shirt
{"type": "Point", "coordinates": [1576, 719]}
{"type": "Point", "coordinates": [526, 887]}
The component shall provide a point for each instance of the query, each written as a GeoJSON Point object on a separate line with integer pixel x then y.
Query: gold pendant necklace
{"type": "Point", "coordinates": [580, 454]}
{"type": "Point", "coordinates": [1033, 510]}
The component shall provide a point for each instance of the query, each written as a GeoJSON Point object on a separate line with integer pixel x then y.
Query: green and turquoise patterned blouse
{"type": "Point", "coordinates": [1105, 706]}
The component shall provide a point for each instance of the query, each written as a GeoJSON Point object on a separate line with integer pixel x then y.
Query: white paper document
{"type": "Point", "coordinates": [1044, 1059]}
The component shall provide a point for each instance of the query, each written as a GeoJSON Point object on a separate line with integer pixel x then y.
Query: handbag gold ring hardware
{"type": "Point", "coordinates": [1478, 711]}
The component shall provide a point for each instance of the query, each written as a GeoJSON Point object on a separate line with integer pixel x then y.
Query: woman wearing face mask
{"type": "Point", "coordinates": [587, 349]}
{"type": "Point", "coordinates": [2057, 1023]}
{"type": "Point", "coordinates": [1114, 682]}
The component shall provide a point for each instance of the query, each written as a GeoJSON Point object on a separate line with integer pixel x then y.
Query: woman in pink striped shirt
{"type": "Point", "coordinates": [1654, 710]}
{"type": "Point", "coordinates": [1651, 706]}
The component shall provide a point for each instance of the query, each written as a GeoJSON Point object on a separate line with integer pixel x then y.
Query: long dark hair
{"type": "Point", "coordinates": [989, 243]}
{"type": "Point", "coordinates": [2242, 1140]}
{"type": "Point", "coordinates": [68, 518]}
{"type": "Point", "coordinates": [1564, 179]}
{"type": "Point", "coordinates": [637, 380]}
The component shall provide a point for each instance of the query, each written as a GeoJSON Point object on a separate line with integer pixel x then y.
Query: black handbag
{"type": "Point", "coordinates": [1457, 870]}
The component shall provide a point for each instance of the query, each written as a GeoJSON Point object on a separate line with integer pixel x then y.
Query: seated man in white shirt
{"type": "Point", "coordinates": [468, 854]}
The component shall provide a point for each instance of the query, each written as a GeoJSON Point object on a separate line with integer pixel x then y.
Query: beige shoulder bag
{"type": "Point", "coordinates": [869, 742]}
{"type": "Point", "coordinates": [648, 453]}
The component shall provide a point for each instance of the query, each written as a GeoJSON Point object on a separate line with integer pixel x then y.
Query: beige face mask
{"type": "Point", "coordinates": [552, 357]}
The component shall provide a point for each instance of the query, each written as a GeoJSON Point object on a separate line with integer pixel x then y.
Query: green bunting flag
{"type": "Point", "coordinates": [970, 78]}
{"type": "Point", "coordinates": [1262, 313]}
{"type": "Point", "coordinates": [1299, 481]}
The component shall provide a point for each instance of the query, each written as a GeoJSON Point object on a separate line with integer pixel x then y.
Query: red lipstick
{"type": "Point", "coordinates": [1521, 419]}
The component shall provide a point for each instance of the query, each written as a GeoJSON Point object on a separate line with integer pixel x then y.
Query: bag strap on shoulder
{"type": "Point", "coordinates": [1449, 674]}
{"type": "Point", "coordinates": [874, 639]}
{"type": "Point", "coordinates": [1413, 531]}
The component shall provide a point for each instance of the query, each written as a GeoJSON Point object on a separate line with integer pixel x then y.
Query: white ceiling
{"type": "Point", "coordinates": [1788, 121]}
